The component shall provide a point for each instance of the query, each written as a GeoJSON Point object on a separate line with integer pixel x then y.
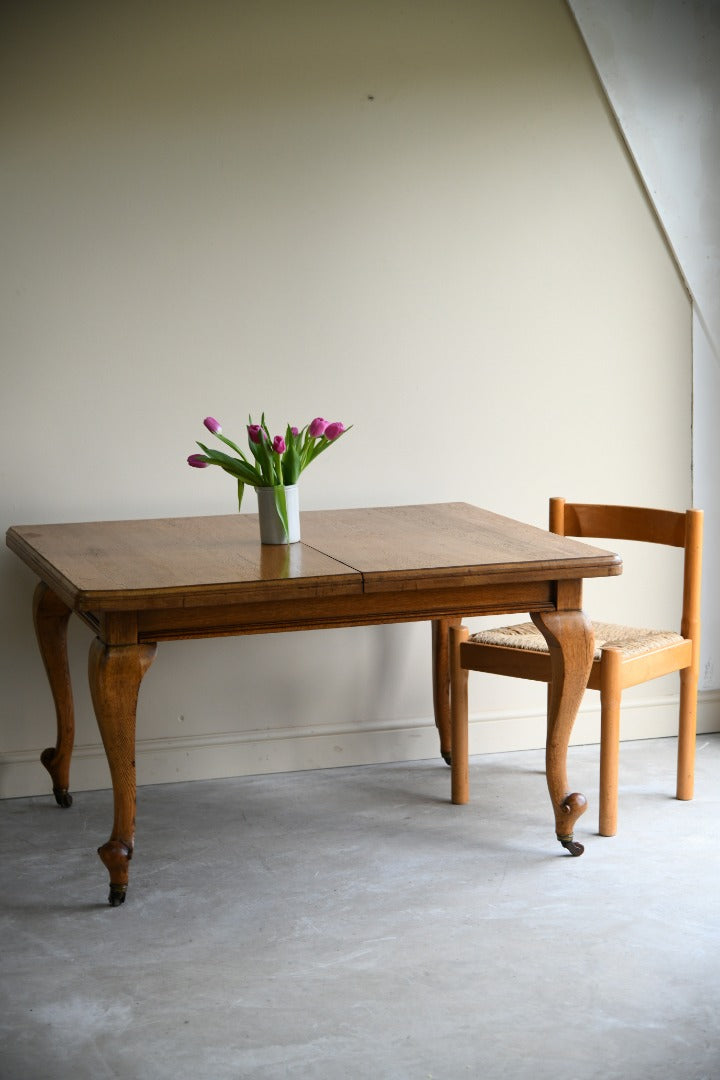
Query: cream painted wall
{"type": "Point", "coordinates": [419, 219]}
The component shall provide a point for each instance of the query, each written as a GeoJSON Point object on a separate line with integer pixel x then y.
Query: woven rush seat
{"type": "Point", "coordinates": [631, 641]}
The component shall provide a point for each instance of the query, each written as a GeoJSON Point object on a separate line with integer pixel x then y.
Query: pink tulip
{"type": "Point", "coordinates": [317, 427]}
{"type": "Point", "coordinates": [212, 425]}
{"type": "Point", "coordinates": [294, 431]}
{"type": "Point", "coordinates": [255, 433]}
{"type": "Point", "coordinates": [333, 430]}
{"type": "Point", "coordinates": [198, 461]}
{"type": "Point", "coordinates": [279, 444]}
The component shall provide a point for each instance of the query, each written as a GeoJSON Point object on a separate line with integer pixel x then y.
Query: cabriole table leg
{"type": "Point", "coordinates": [441, 683]}
{"type": "Point", "coordinates": [115, 673]}
{"type": "Point", "coordinates": [50, 618]}
{"type": "Point", "coordinates": [571, 643]}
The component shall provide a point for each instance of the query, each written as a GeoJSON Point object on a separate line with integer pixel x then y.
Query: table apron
{"type": "Point", "coordinates": [325, 612]}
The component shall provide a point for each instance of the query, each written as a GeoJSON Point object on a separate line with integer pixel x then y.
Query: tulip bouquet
{"type": "Point", "coordinates": [275, 462]}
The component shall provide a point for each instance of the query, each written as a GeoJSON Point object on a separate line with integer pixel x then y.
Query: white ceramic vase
{"type": "Point", "coordinates": [272, 530]}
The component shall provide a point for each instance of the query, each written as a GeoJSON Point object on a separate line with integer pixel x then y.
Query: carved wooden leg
{"type": "Point", "coordinates": [50, 616]}
{"type": "Point", "coordinates": [441, 683]}
{"type": "Point", "coordinates": [571, 643]}
{"type": "Point", "coordinates": [116, 672]}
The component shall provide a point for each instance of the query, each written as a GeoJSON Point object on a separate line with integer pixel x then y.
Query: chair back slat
{"type": "Point", "coordinates": [625, 523]}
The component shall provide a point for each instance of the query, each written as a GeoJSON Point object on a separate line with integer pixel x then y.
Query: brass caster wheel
{"type": "Point", "coordinates": [62, 797]}
{"type": "Point", "coordinates": [117, 895]}
{"type": "Point", "coordinates": [446, 756]}
{"type": "Point", "coordinates": [571, 845]}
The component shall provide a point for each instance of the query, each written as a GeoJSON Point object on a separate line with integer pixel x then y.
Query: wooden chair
{"type": "Point", "coordinates": [624, 656]}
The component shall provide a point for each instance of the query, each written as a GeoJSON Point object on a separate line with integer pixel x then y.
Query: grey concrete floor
{"type": "Point", "coordinates": [351, 923]}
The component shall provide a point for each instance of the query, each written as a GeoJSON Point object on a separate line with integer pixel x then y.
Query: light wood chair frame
{"type": "Point", "coordinates": [613, 672]}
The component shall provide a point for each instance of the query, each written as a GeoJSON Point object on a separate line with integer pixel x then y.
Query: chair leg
{"type": "Point", "coordinates": [686, 733]}
{"type": "Point", "coordinates": [460, 779]}
{"type": "Point", "coordinates": [610, 697]}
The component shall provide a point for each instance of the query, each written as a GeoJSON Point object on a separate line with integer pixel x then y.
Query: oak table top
{"type": "Point", "coordinates": [139, 582]}
{"type": "Point", "coordinates": [140, 565]}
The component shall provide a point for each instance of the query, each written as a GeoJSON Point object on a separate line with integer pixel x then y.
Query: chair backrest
{"type": "Point", "coordinates": [674, 528]}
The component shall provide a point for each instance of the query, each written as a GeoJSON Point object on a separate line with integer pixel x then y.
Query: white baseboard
{"type": "Point", "coordinates": [209, 757]}
{"type": "Point", "coordinates": [649, 718]}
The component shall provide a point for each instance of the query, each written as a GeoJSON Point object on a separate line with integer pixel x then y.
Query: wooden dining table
{"type": "Point", "coordinates": [140, 582]}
